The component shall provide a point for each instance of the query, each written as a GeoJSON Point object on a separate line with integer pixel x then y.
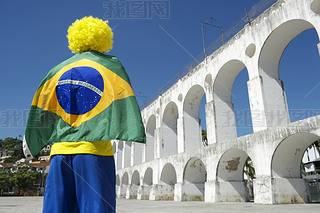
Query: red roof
{"type": "Point", "coordinates": [39, 165]}
{"type": "Point", "coordinates": [6, 164]}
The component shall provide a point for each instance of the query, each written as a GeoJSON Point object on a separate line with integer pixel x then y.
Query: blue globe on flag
{"type": "Point", "coordinates": [79, 90]}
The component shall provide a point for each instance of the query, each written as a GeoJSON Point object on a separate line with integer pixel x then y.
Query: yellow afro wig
{"type": "Point", "coordinates": [90, 33]}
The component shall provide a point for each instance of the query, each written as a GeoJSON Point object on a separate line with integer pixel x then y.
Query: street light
{"type": "Point", "coordinates": [209, 22]}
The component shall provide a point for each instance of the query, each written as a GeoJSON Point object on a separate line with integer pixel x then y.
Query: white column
{"type": "Point", "coordinates": [225, 121]}
{"type": "Point", "coordinates": [268, 103]}
{"type": "Point", "coordinates": [180, 135]}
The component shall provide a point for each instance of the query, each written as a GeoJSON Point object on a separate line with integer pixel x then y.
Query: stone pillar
{"type": "Point", "coordinates": [262, 190]}
{"type": "Point", "coordinates": [115, 156]}
{"type": "Point", "coordinates": [132, 154]}
{"type": "Point", "coordinates": [211, 127]}
{"type": "Point", "coordinates": [269, 190]}
{"type": "Point", "coordinates": [157, 142]}
{"type": "Point", "coordinates": [225, 121]}
{"type": "Point", "coordinates": [123, 191]}
{"type": "Point", "coordinates": [155, 193]}
{"type": "Point", "coordinates": [144, 152]}
{"type": "Point", "coordinates": [145, 192]}
{"type": "Point", "coordinates": [178, 192]}
{"type": "Point", "coordinates": [132, 192]}
{"type": "Point", "coordinates": [268, 103]}
{"type": "Point", "coordinates": [140, 194]}
{"type": "Point", "coordinates": [211, 192]}
{"type": "Point", "coordinates": [161, 192]}
{"type": "Point", "coordinates": [118, 191]}
{"type": "Point", "coordinates": [180, 135]}
{"type": "Point", "coordinates": [192, 139]}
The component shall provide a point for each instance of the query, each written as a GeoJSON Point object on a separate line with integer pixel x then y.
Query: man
{"type": "Point", "coordinates": [82, 104]}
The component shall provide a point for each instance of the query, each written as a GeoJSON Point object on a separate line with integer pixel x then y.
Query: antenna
{"type": "Point", "coordinates": [209, 21]}
{"type": "Point", "coordinates": [247, 16]}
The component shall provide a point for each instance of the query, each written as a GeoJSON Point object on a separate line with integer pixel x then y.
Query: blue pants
{"type": "Point", "coordinates": [80, 183]}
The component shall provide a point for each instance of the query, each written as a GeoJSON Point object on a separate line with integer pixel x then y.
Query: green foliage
{"type": "Point", "coordinates": [22, 178]}
{"type": "Point", "coordinates": [249, 169]}
{"type": "Point", "coordinates": [10, 143]}
{"type": "Point", "coordinates": [5, 179]}
{"type": "Point", "coordinates": [204, 138]}
{"type": "Point", "coordinates": [16, 155]}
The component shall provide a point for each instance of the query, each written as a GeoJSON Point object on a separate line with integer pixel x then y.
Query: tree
{"type": "Point", "coordinates": [5, 179]}
{"type": "Point", "coordinates": [22, 179]}
{"type": "Point", "coordinates": [16, 155]}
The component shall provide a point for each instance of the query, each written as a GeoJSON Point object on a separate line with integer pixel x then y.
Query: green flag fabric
{"type": "Point", "coordinates": [85, 98]}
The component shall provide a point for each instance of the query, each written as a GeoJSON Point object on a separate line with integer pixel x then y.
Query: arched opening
{"type": "Point", "coordinates": [137, 153]}
{"type": "Point", "coordinates": [124, 185]}
{"type": "Point", "coordinates": [191, 120]}
{"type": "Point", "coordinates": [127, 154]}
{"type": "Point", "coordinates": [168, 179]}
{"type": "Point", "coordinates": [240, 100]}
{"type": "Point", "coordinates": [150, 135]}
{"type": "Point", "coordinates": [275, 100]}
{"type": "Point", "coordinates": [168, 144]}
{"type": "Point", "coordinates": [147, 183]}
{"type": "Point", "coordinates": [286, 168]}
{"type": "Point", "coordinates": [310, 169]}
{"type": "Point", "coordinates": [230, 175]}
{"type": "Point", "coordinates": [194, 177]}
{"type": "Point", "coordinates": [232, 109]}
{"type": "Point", "coordinates": [315, 6]}
{"type": "Point", "coordinates": [135, 183]}
{"type": "Point", "coordinates": [300, 65]}
{"type": "Point", "coordinates": [119, 155]}
{"type": "Point", "coordinates": [114, 147]}
{"type": "Point", "coordinates": [135, 178]}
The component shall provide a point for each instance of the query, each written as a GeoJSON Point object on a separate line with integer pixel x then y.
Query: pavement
{"type": "Point", "coordinates": [34, 205]}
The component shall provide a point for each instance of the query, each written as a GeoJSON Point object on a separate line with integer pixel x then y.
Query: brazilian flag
{"type": "Point", "coordinates": [85, 98]}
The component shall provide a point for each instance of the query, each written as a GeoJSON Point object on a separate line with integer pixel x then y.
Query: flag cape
{"type": "Point", "coordinates": [85, 98]}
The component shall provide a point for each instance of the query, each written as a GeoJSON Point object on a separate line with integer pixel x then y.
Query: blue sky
{"type": "Point", "coordinates": [33, 40]}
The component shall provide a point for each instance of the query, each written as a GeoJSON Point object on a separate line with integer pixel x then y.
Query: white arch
{"type": "Point", "coordinates": [168, 175]}
{"type": "Point", "coordinates": [135, 178]}
{"type": "Point", "coordinates": [169, 131]}
{"type": "Point", "coordinates": [230, 176]}
{"type": "Point", "coordinates": [125, 179]}
{"type": "Point", "coordinates": [194, 176]}
{"type": "Point", "coordinates": [168, 179]}
{"type": "Point", "coordinates": [222, 92]}
{"type": "Point", "coordinates": [191, 121]}
{"type": "Point", "coordinates": [288, 185]}
{"type": "Point", "coordinates": [148, 176]}
{"type": "Point", "coordinates": [286, 160]}
{"type": "Point", "coordinates": [276, 43]}
{"type": "Point", "coordinates": [231, 164]}
{"type": "Point", "coordinates": [150, 135]}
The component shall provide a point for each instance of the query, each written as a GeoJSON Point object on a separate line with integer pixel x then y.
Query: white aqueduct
{"type": "Point", "coordinates": [175, 165]}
